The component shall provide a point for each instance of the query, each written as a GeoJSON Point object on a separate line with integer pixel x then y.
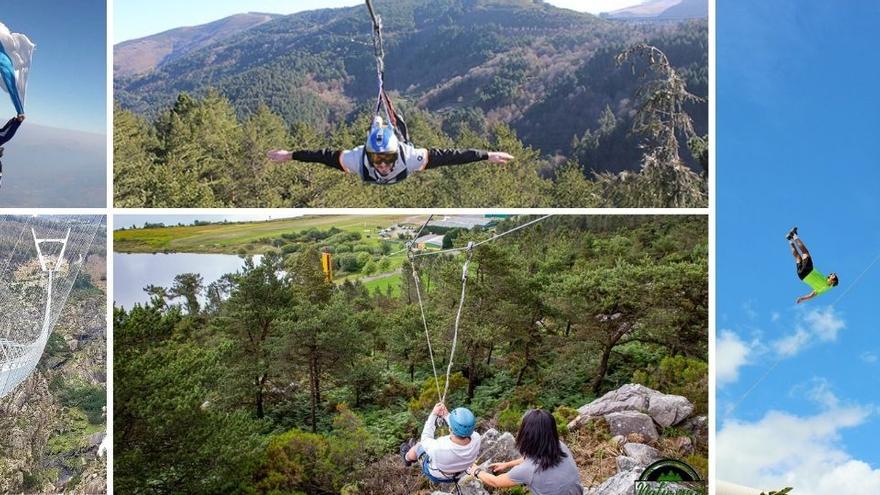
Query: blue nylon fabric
{"type": "Point", "coordinates": [7, 70]}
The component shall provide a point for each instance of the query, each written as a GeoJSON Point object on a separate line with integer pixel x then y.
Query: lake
{"type": "Point", "coordinates": [133, 272]}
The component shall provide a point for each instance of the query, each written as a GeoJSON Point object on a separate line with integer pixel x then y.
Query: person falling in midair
{"type": "Point", "coordinates": [810, 276]}
{"type": "Point", "coordinates": [385, 159]}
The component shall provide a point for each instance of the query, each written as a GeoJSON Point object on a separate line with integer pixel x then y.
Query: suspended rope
{"type": "Point", "coordinates": [383, 102]}
{"type": "Point", "coordinates": [778, 361]}
{"type": "Point", "coordinates": [464, 276]}
{"type": "Point", "coordinates": [417, 282]}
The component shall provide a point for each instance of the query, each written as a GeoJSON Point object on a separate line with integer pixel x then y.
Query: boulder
{"type": "Point", "coordinates": [630, 397]}
{"type": "Point", "coordinates": [684, 445]}
{"type": "Point", "coordinates": [698, 427]}
{"type": "Point", "coordinates": [626, 422]}
{"type": "Point", "coordinates": [95, 439]}
{"type": "Point", "coordinates": [497, 447]}
{"type": "Point", "coordinates": [668, 410]}
{"type": "Point", "coordinates": [626, 463]}
{"type": "Point", "coordinates": [642, 453]}
{"type": "Point", "coordinates": [621, 483]}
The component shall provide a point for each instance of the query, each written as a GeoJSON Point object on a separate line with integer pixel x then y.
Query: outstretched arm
{"type": "Point", "coordinates": [328, 157]}
{"type": "Point", "coordinates": [9, 130]}
{"type": "Point", "coordinates": [489, 479]}
{"type": "Point", "coordinates": [807, 297]}
{"type": "Point", "coordinates": [445, 157]}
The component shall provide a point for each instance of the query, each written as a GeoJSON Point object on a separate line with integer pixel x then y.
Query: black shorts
{"type": "Point", "coordinates": [804, 267]}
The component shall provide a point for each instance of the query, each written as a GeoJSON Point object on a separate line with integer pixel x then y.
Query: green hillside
{"type": "Point", "coordinates": [246, 237]}
{"type": "Point", "coordinates": [282, 383]}
{"type": "Point", "coordinates": [539, 82]}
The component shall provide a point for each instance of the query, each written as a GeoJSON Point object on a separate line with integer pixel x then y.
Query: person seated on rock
{"type": "Point", "coordinates": [445, 459]}
{"type": "Point", "coordinates": [384, 159]}
{"type": "Point", "coordinates": [546, 467]}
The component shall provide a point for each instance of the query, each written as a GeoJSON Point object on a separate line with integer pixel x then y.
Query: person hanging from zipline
{"type": "Point", "coordinates": [445, 459]}
{"type": "Point", "coordinates": [805, 271]}
{"type": "Point", "coordinates": [386, 159]}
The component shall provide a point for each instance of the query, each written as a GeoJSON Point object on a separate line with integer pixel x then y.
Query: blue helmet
{"type": "Point", "coordinates": [382, 138]}
{"type": "Point", "coordinates": [461, 422]}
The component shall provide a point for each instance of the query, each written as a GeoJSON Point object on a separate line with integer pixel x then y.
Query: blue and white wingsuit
{"type": "Point", "coordinates": [16, 51]}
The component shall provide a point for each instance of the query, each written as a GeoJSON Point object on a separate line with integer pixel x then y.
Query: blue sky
{"type": "Point", "coordinates": [139, 18]}
{"type": "Point", "coordinates": [797, 128]}
{"type": "Point", "coordinates": [67, 87]}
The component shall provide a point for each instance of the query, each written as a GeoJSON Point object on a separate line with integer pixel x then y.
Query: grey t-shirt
{"type": "Point", "coordinates": [561, 479]}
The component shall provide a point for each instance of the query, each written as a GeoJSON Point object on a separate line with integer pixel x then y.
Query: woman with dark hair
{"type": "Point", "coordinates": [546, 466]}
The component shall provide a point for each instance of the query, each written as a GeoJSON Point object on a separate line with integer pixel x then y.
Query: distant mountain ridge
{"type": "Point", "coordinates": [48, 167]}
{"type": "Point", "coordinates": [547, 72]}
{"type": "Point", "coordinates": [663, 10]}
{"type": "Point", "coordinates": [145, 54]}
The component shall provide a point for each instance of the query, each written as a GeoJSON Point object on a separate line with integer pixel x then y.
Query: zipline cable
{"type": "Point", "coordinates": [383, 102]}
{"type": "Point", "coordinates": [379, 53]}
{"type": "Point", "coordinates": [493, 238]}
{"type": "Point", "coordinates": [464, 276]}
{"type": "Point", "coordinates": [778, 361]}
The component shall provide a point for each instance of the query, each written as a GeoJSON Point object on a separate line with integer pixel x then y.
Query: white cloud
{"type": "Point", "coordinates": [775, 316]}
{"type": "Point", "coordinates": [821, 325]}
{"type": "Point", "coordinates": [819, 391]}
{"type": "Point", "coordinates": [783, 449]}
{"type": "Point", "coordinates": [868, 357]}
{"type": "Point", "coordinates": [824, 324]}
{"type": "Point", "coordinates": [792, 344]}
{"type": "Point", "coordinates": [731, 353]}
{"type": "Point", "coordinates": [750, 310]}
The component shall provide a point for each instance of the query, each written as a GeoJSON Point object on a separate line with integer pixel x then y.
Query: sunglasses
{"type": "Point", "coordinates": [383, 157]}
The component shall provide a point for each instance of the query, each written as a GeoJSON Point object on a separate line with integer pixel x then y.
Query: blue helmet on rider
{"type": "Point", "coordinates": [382, 144]}
{"type": "Point", "coordinates": [461, 422]}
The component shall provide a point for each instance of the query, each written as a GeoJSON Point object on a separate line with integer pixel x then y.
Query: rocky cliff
{"type": "Point", "coordinates": [613, 439]}
{"type": "Point", "coordinates": [53, 424]}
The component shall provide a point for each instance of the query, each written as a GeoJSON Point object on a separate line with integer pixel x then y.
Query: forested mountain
{"type": "Point", "coordinates": [135, 57]}
{"type": "Point", "coordinates": [279, 382]}
{"type": "Point", "coordinates": [548, 73]}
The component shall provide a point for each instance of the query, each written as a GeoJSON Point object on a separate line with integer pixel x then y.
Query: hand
{"type": "Point", "coordinates": [497, 467]}
{"type": "Point", "coordinates": [280, 155]}
{"type": "Point", "coordinates": [471, 471]}
{"type": "Point", "coordinates": [499, 157]}
{"type": "Point", "coordinates": [20, 117]}
{"type": "Point", "coordinates": [800, 300]}
{"type": "Point", "coordinates": [440, 410]}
